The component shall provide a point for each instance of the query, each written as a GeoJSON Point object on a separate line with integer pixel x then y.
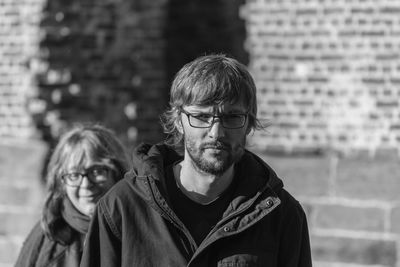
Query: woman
{"type": "Point", "coordinates": [85, 164]}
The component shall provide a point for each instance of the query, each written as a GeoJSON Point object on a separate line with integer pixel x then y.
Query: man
{"type": "Point", "coordinates": [218, 204]}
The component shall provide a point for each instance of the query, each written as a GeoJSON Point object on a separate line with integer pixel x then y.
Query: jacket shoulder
{"type": "Point", "coordinates": [39, 250]}
{"type": "Point", "coordinates": [31, 247]}
{"type": "Point", "coordinates": [122, 200]}
{"type": "Point", "coordinates": [291, 207]}
{"type": "Point", "coordinates": [122, 192]}
{"type": "Point", "coordinates": [258, 166]}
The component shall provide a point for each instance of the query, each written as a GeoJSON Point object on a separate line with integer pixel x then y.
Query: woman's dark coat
{"type": "Point", "coordinates": [63, 250]}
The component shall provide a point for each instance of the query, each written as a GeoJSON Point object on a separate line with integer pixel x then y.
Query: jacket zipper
{"type": "Point", "coordinates": [206, 244]}
{"type": "Point", "coordinates": [169, 214]}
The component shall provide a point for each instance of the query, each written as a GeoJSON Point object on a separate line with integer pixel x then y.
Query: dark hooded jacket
{"type": "Point", "coordinates": [64, 249]}
{"type": "Point", "coordinates": [134, 224]}
{"type": "Point", "coordinates": [62, 246]}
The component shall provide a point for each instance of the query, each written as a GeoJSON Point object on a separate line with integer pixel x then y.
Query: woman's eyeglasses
{"type": "Point", "coordinates": [96, 174]}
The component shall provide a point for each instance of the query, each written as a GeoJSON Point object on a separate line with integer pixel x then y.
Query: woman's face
{"type": "Point", "coordinates": [85, 184]}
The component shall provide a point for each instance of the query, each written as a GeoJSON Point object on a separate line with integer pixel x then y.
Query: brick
{"type": "Point", "coordinates": [361, 10]}
{"type": "Point", "coordinates": [373, 33]}
{"type": "Point", "coordinates": [288, 125]}
{"type": "Point", "coordinates": [332, 57]}
{"type": "Point", "coordinates": [390, 10]}
{"type": "Point", "coordinates": [354, 250]}
{"type": "Point", "coordinates": [388, 104]}
{"type": "Point", "coordinates": [306, 11]}
{"type": "Point", "coordinates": [279, 57]}
{"type": "Point", "coordinates": [305, 57]}
{"type": "Point", "coordinates": [333, 10]}
{"type": "Point", "coordinates": [395, 220]}
{"type": "Point", "coordinates": [302, 176]}
{"type": "Point", "coordinates": [386, 56]}
{"type": "Point", "coordinates": [349, 218]}
{"type": "Point", "coordinates": [373, 80]}
{"type": "Point", "coordinates": [362, 177]}
{"type": "Point", "coordinates": [303, 102]}
{"type": "Point", "coordinates": [316, 79]}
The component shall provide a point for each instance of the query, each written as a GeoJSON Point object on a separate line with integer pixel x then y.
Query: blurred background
{"type": "Point", "coordinates": [328, 78]}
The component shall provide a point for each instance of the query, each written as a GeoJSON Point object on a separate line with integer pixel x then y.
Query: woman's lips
{"type": "Point", "coordinates": [89, 196]}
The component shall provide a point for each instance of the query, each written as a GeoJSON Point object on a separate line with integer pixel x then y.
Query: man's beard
{"type": "Point", "coordinates": [219, 161]}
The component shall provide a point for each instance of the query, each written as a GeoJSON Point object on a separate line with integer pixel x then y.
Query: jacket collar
{"type": "Point", "coordinates": [255, 195]}
{"type": "Point", "coordinates": [150, 160]}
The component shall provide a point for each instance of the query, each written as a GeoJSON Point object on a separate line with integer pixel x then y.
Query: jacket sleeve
{"type": "Point", "coordinates": [294, 249]}
{"type": "Point", "coordinates": [31, 248]}
{"type": "Point", "coordinates": [103, 242]}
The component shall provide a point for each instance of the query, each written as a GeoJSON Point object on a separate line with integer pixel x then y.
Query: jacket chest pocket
{"type": "Point", "coordinates": [248, 260]}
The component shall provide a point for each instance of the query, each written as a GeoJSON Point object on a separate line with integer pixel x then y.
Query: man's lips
{"type": "Point", "coordinates": [217, 146]}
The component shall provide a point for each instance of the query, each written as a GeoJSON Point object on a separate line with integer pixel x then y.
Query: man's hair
{"type": "Point", "coordinates": [210, 80]}
{"type": "Point", "coordinates": [80, 144]}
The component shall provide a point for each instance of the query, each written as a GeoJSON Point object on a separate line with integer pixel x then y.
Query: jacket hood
{"type": "Point", "coordinates": [152, 160]}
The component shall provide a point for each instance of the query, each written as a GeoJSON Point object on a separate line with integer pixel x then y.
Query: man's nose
{"type": "Point", "coordinates": [216, 129]}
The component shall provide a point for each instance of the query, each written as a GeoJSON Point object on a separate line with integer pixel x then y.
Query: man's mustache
{"type": "Point", "coordinates": [217, 145]}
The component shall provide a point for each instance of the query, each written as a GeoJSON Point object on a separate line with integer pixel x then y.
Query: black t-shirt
{"type": "Point", "coordinates": [199, 219]}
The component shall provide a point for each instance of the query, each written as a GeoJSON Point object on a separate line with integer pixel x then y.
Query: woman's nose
{"type": "Point", "coordinates": [86, 182]}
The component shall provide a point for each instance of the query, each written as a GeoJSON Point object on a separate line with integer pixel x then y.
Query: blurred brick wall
{"type": "Point", "coordinates": [101, 61]}
{"type": "Point", "coordinates": [20, 161]}
{"type": "Point", "coordinates": [21, 194]}
{"type": "Point", "coordinates": [328, 77]}
{"type": "Point", "coordinates": [18, 41]}
{"type": "Point", "coordinates": [352, 205]}
{"type": "Point", "coordinates": [327, 71]}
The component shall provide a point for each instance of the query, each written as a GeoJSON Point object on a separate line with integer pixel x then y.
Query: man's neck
{"type": "Point", "coordinates": [201, 187]}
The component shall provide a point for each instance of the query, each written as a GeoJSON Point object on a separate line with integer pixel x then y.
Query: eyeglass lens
{"type": "Point", "coordinates": [96, 174]}
{"type": "Point", "coordinates": [227, 120]}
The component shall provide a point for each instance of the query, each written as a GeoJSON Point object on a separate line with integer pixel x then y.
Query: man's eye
{"type": "Point", "coordinates": [99, 171]}
{"type": "Point", "coordinates": [233, 116]}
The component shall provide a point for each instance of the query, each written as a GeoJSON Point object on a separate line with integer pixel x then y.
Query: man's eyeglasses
{"type": "Point", "coordinates": [206, 120]}
{"type": "Point", "coordinates": [96, 175]}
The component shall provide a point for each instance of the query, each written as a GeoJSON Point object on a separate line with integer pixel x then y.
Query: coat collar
{"type": "Point", "coordinates": [151, 160]}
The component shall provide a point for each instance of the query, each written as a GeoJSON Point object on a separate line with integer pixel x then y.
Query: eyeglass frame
{"type": "Point", "coordinates": [88, 174]}
{"type": "Point", "coordinates": [211, 123]}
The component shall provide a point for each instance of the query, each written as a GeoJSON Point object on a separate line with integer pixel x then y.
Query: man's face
{"type": "Point", "coordinates": [214, 149]}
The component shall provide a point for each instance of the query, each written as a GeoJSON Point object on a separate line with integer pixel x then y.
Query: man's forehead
{"type": "Point", "coordinates": [224, 107]}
